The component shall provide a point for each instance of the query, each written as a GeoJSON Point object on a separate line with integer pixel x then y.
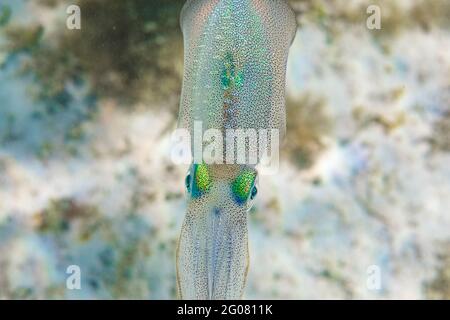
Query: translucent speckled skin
{"type": "Point", "coordinates": [234, 77]}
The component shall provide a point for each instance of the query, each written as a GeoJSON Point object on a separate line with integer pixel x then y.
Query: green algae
{"type": "Point", "coordinates": [307, 124]}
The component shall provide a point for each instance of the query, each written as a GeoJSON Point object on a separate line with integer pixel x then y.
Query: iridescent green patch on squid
{"type": "Point", "coordinates": [242, 186]}
{"type": "Point", "coordinates": [230, 77]}
{"type": "Point", "coordinates": [201, 180]}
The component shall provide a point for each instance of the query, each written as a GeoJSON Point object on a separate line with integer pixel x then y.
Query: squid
{"type": "Point", "coordinates": [235, 56]}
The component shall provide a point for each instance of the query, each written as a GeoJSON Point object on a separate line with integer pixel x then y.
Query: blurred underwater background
{"type": "Point", "coordinates": [86, 177]}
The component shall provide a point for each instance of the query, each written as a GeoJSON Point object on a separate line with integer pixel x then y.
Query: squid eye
{"type": "Point", "coordinates": [243, 186]}
{"type": "Point", "coordinates": [254, 193]}
{"type": "Point", "coordinates": [187, 182]}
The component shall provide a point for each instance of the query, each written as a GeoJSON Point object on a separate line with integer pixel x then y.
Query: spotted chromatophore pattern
{"type": "Point", "coordinates": [234, 78]}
